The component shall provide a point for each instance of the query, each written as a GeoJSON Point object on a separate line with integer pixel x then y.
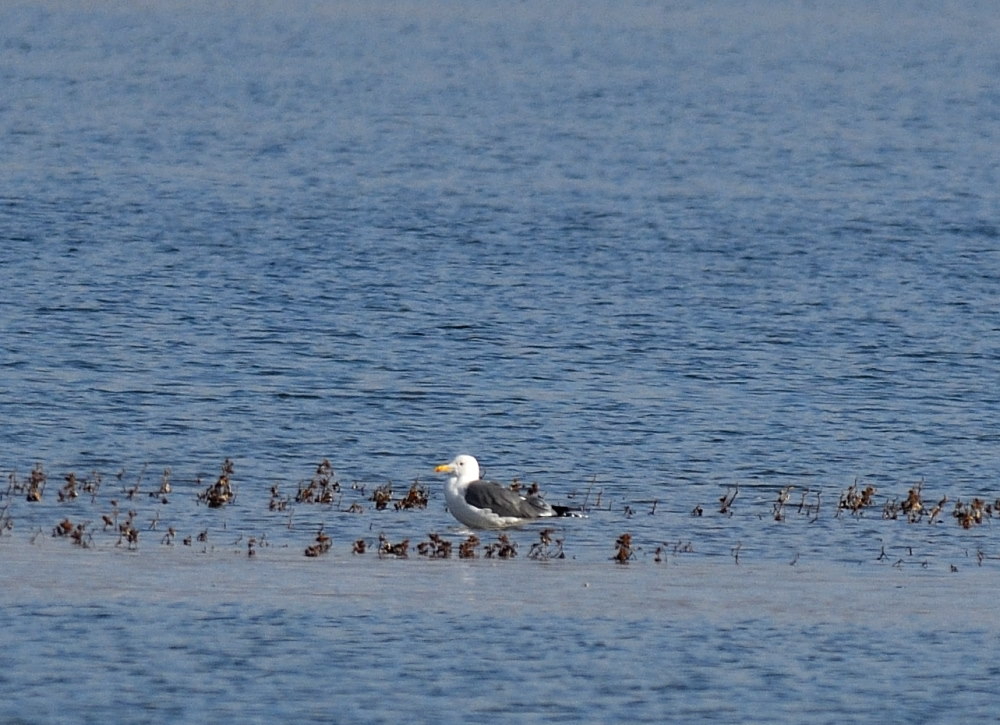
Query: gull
{"type": "Point", "coordinates": [487, 505]}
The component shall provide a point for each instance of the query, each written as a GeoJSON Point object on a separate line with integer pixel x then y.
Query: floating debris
{"type": "Point", "coordinates": [855, 499]}
{"type": "Point", "coordinates": [623, 549]}
{"type": "Point", "coordinates": [726, 501]}
{"type": "Point", "coordinates": [973, 513]}
{"type": "Point", "coordinates": [678, 547]}
{"type": "Point", "coordinates": [131, 492]}
{"type": "Point", "coordinates": [68, 491]}
{"type": "Point", "coordinates": [165, 487]}
{"type": "Point", "coordinates": [913, 506]}
{"type": "Point", "coordinates": [415, 498]}
{"type": "Point", "coordinates": [385, 548]}
{"type": "Point", "coordinates": [585, 507]}
{"type": "Point", "coordinates": [6, 522]}
{"type": "Point", "coordinates": [323, 487]}
{"type": "Point", "coordinates": [92, 485]}
{"type": "Point", "coordinates": [221, 492]}
{"type": "Point", "coordinates": [778, 510]}
{"type": "Point", "coordinates": [435, 547]}
{"type": "Point", "coordinates": [277, 502]}
{"type": "Point", "coordinates": [110, 523]}
{"type": "Point", "coordinates": [502, 548]}
{"type": "Point", "coordinates": [321, 546]}
{"type": "Point", "coordinates": [735, 551]}
{"type": "Point", "coordinates": [13, 485]}
{"type": "Point", "coordinates": [382, 496]}
{"type": "Point", "coordinates": [467, 549]}
{"type": "Point", "coordinates": [936, 511]}
{"type": "Point", "coordinates": [809, 509]}
{"type": "Point", "coordinates": [63, 528]}
{"type": "Point", "coordinates": [36, 484]}
{"type": "Point", "coordinates": [546, 547]}
{"type": "Point", "coordinates": [128, 533]}
{"type": "Point", "coordinates": [77, 533]}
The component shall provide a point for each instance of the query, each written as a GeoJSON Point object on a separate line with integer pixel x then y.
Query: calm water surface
{"type": "Point", "coordinates": [642, 254]}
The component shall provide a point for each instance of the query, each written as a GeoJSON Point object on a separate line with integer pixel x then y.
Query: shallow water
{"type": "Point", "coordinates": [171, 635]}
{"type": "Point", "coordinates": [639, 254]}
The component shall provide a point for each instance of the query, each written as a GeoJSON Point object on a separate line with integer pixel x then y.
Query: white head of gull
{"type": "Point", "coordinates": [483, 504]}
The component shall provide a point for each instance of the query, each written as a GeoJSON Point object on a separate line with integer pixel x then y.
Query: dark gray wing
{"type": "Point", "coordinates": [504, 502]}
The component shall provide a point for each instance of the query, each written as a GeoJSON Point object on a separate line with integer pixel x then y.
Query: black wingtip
{"type": "Point", "coordinates": [569, 512]}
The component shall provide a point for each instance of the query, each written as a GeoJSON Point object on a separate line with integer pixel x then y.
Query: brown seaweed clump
{"type": "Point", "coordinates": [467, 549]}
{"type": "Point", "coordinates": [386, 548]}
{"type": "Point", "coordinates": [623, 549]}
{"type": "Point", "coordinates": [382, 495]}
{"type": "Point", "coordinates": [855, 499]}
{"type": "Point", "coordinates": [77, 533]}
{"type": "Point", "coordinates": [973, 513]}
{"type": "Point", "coordinates": [36, 483]}
{"type": "Point", "coordinates": [546, 547]}
{"type": "Point", "coordinates": [68, 491]}
{"type": "Point", "coordinates": [913, 506]}
{"type": "Point", "coordinates": [502, 548]}
{"type": "Point", "coordinates": [128, 534]}
{"type": "Point", "coordinates": [321, 545]}
{"type": "Point", "coordinates": [278, 501]}
{"type": "Point", "coordinates": [436, 547]}
{"type": "Point", "coordinates": [221, 492]}
{"type": "Point", "coordinates": [415, 498]}
{"type": "Point", "coordinates": [323, 487]}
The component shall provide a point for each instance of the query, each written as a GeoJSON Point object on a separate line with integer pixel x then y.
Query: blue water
{"type": "Point", "coordinates": [640, 253]}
